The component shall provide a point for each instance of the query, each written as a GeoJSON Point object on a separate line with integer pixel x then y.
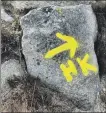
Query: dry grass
{"type": "Point", "coordinates": [30, 94]}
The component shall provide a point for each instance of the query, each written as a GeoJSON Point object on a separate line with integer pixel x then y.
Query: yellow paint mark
{"type": "Point", "coordinates": [59, 10]}
{"type": "Point", "coordinates": [68, 70]}
{"type": "Point", "coordinates": [71, 45]}
{"type": "Point", "coordinates": [85, 66]}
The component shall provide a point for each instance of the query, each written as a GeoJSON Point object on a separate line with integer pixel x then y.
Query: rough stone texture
{"type": "Point", "coordinates": [100, 46]}
{"type": "Point", "coordinates": [5, 16]}
{"type": "Point", "coordinates": [36, 4]}
{"type": "Point", "coordinates": [9, 69]}
{"type": "Point", "coordinates": [14, 7]}
{"type": "Point", "coordinates": [103, 91]}
{"type": "Point", "coordinates": [10, 37]}
{"type": "Point", "coordinates": [9, 41]}
{"type": "Point", "coordinates": [10, 46]}
{"type": "Point", "coordinates": [6, 23]}
{"type": "Point", "coordinates": [39, 29]}
{"type": "Point", "coordinates": [101, 5]}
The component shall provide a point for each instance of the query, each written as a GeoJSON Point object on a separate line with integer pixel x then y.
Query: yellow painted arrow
{"type": "Point", "coordinates": [71, 45]}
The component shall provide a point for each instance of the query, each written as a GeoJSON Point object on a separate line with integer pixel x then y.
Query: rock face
{"type": "Point", "coordinates": [9, 70]}
{"type": "Point", "coordinates": [100, 46]}
{"type": "Point", "coordinates": [10, 34]}
{"type": "Point", "coordinates": [12, 68]}
{"type": "Point", "coordinates": [5, 16]}
{"type": "Point", "coordinates": [35, 4]}
{"type": "Point", "coordinates": [14, 7]}
{"type": "Point", "coordinates": [39, 36]}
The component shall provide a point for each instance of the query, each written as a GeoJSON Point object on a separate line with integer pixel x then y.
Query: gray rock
{"type": "Point", "coordinates": [99, 4]}
{"type": "Point", "coordinates": [103, 89]}
{"type": "Point", "coordinates": [100, 106]}
{"type": "Point", "coordinates": [100, 44]}
{"type": "Point", "coordinates": [9, 69]}
{"type": "Point", "coordinates": [100, 48]}
{"type": "Point", "coordinates": [36, 4]}
{"type": "Point", "coordinates": [16, 9]}
{"type": "Point", "coordinates": [5, 16]}
{"type": "Point", "coordinates": [10, 36]}
{"type": "Point", "coordinates": [39, 29]}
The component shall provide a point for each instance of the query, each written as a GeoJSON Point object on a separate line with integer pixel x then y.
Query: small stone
{"type": "Point", "coordinates": [9, 69]}
{"type": "Point", "coordinates": [5, 16]}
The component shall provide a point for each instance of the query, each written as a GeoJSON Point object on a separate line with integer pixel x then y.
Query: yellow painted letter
{"type": "Point", "coordinates": [85, 66]}
{"type": "Point", "coordinates": [68, 70]}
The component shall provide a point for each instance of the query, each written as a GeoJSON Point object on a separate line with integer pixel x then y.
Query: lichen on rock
{"type": "Point", "coordinates": [39, 29]}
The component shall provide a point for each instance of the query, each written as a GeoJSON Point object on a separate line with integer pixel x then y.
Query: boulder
{"type": "Point", "coordinates": [14, 7]}
{"type": "Point", "coordinates": [39, 36]}
{"type": "Point", "coordinates": [36, 4]}
{"type": "Point", "coordinates": [5, 16]}
{"type": "Point", "coordinates": [9, 70]}
{"type": "Point", "coordinates": [10, 36]}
